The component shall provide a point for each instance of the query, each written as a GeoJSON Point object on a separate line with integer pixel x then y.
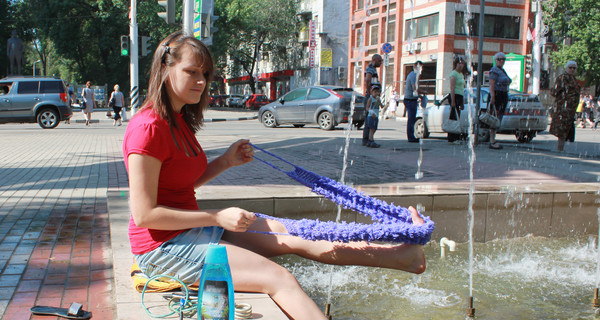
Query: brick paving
{"type": "Point", "coordinates": [54, 224]}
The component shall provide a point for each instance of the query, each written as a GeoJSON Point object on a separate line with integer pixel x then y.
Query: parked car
{"type": "Point", "coordinates": [217, 100]}
{"type": "Point", "coordinates": [524, 116]}
{"type": "Point", "coordinates": [34, 99]}
{"type": "Point", "coordinates": [234, 100]}
{"type": "Point", "coordinates": [326, 106]}
{"type": "Point", "coordinates": [256, 101]}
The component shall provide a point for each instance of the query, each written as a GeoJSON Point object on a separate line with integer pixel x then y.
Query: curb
{"type": "Point", "coordinates": [230, 119]}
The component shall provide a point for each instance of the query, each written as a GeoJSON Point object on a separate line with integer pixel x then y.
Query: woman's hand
{"type": "Point", "coordinates": [240, 152]}
{"type": "Point", "coordinates": [235, 219]}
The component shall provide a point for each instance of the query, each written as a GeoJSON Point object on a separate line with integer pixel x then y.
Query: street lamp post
{"type": "Point", "coordinates": [34, 66]}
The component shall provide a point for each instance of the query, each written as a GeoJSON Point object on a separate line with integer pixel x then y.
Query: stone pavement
{"type": "Point", "coordinates": [55, 240]}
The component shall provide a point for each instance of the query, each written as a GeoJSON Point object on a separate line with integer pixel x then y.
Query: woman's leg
{"type": "Point", "coordinates": [404, 257]}
{"type": "Point", "coordinates": [254, 273]}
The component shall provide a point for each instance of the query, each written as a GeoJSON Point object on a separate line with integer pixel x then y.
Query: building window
{"type": "Point", "coordinates": [374, 33]}
{"type": "Point", "coordinates": [391, 30]}
{"type": "Point", "coordinates": [359, 37]}
{"type": "Point", "coordinates": [372, 2]}
{"type": "Point", "coordinates": [357, 75]}
{"type": "Point", "coordinates": [494, 26]}
{"type": "Point", "coordinates": [360, 4]}
{"type": "Point", "coordinates": [422, 27]}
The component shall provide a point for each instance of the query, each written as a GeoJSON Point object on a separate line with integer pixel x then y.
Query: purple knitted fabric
{"type": "Point", "coordinates": [392, 223]}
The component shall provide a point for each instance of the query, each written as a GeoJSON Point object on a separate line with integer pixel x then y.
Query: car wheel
{"type": "Point", "coordinates": [268, 119]}
{"type": "Point", "coordinates": [421, 131]}
{"type": "Point", "coordinates": [525, 137]}
{"type": "Point", "coordinates": [48, 118]}
{"type": "Point", "coordinates": [298, 126]}
{"type": "Point", "coordinates": [325, 120]}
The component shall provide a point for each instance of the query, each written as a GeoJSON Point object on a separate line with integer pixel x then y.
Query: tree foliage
{"type": "Point", "coordinates": [250, 28]}
{"type": "Point", "coordinates": [575, 26]}
{"type": "Point", "coordinates": [79, 40]}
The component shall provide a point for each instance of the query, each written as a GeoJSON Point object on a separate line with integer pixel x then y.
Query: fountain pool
{"type": "Point", "coordinates": [521, 278]}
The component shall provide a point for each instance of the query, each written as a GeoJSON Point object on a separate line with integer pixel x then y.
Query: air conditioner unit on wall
{"type": "Point", "coordinates": [412, 47]}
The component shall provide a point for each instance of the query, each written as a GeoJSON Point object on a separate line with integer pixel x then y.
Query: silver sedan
{"type": "Point", "coordinates": [327, 106]}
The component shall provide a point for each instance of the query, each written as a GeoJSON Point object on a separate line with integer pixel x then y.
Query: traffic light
{"type": "Point", "coordinates": [528, 63]}
{"type": "Point", "coordinates": [208, 28]}
{"type": "Point", "coordinates": [145, 45]}
{"type": "Point", "coordinates": [124, 45]}
{"type": "Point", "coordinates": [169, 14]}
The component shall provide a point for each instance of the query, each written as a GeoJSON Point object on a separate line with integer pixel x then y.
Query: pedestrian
{"type": "Point", "coordinates": [457, 88]}
{"type": "Point", "coordinates": [169, 234]}
{"type": "Point", "coordinates": [499, 86]}
{"type": "Point", "coordinates": [566, 93]}
{"type": "Point", "coordinates": [89, 102]}
{"type": "Point", "coordinates": [70, 98]}
{"type": "Point", "coordinates": [118, 102]}
{"type": "Point", "coordinates": [411, 97]}
{"type": "Point", "coordinates": [373, 106]}
{"type": "Point", "coordinates": [595, 112]}
{"type": "Point", "coordinates": [371, 78]}
{"type": "Point", "coordinates": [392, 105]}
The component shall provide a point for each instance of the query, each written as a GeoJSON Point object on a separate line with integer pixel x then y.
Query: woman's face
{"type": "Point", "coordinates": [186, 81]}
{"type": "Point", "coordinates": [500, 62]}
{"type": "Point", "coordinates": [571, 70]}
{"type": "Point", "coordinates": [460, 66]}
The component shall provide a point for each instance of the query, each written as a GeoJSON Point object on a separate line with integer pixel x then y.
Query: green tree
{"type": "Point", "coordinates": [250, 28]}
{"type": "Point", "coordinates": [575, 26]}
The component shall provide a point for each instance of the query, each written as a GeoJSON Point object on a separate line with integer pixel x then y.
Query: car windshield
{"type": "Point", "coordinates": [485, 95]}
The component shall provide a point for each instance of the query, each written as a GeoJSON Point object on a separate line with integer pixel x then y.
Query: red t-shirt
{"type": "Point", "coordinates": [183, 162]}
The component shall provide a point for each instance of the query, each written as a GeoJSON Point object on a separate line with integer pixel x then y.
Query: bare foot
{"type": "Point", "coordinates": [411, 257]}
{"type": "Point", "coordinates": [416, 217]}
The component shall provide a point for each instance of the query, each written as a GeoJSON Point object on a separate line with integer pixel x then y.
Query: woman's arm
{"type": "Point", "coordinates": [452, 87]}
{"type": "Point", "coordinates": [143, 185]}
{"type": "Point", "coordinates": [492, 92]}
{"type": "Point", "coordinates": [238, 153]}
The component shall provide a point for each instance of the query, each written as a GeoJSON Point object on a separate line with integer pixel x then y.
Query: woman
{"type": "Point", "coordinates": [566, 93]}
{"type": "Point", "coordinates": [499, 85]}
{"type": "Point", "coordinates": [118, 103]}
{"type": "Point", "coordinates": [165, 163]}
{"type": "Point", "coordinates": [457, 88]}
{"type": "Point", "coordinates": [89, 101]}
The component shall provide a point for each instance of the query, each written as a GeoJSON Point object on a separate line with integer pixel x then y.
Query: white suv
{"type": "Point", "coordinates": [34, 99]}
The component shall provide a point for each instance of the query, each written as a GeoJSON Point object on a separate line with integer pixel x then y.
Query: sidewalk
{"type": "Point", "coordinates": [58, 241]}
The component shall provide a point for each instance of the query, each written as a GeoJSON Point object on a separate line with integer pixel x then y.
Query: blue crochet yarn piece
{"type": "Point", "coordinates": [392, 223]}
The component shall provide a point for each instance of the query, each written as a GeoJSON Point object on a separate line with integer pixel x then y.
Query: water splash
{"type": "Point", "coordinates": [472, 156]}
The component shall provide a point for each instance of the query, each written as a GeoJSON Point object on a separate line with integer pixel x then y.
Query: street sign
{"type": "Point", "coordinates": [386, 48]}
{"type": "Point", "coordinates": [386, 60]}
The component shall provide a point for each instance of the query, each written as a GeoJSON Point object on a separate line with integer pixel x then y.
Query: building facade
{"type": "Point", "coordinates": [322, 53]}
{"type": "Point", "coordinates": [434, 32]}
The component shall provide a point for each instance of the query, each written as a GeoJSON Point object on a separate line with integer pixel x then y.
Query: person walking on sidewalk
{"type": "Point", "coordinates": [411, 97]}
{"type": "Point", "coordinates": [169, 234]}
{"type": "Point", "coordinates": [457, 88]}
{"type": "Point", "coordinates": [373, 106]}
{"type": "Point", "coordinates": [89, 102]}
{"type": "Point", "coordinates": [118, 102]}
{"type": "Point", "coordinates": [371, 78]}
{"type": "Point", "coordinates": [566, 93]}
{"type": "Point", "coordinates": [499, 85]}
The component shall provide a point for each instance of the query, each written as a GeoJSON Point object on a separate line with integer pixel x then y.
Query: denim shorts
{"type": "Point", "coordinates": [181, 257]}
{"type": "Point", "coordinates": [372, 122]}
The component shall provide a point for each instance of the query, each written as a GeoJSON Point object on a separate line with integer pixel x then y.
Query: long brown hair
{"type": "Point", "coordinates": [166, 55]}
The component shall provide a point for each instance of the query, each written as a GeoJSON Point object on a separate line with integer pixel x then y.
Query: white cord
{"type": "Point", "coordinates": [243, 311]}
